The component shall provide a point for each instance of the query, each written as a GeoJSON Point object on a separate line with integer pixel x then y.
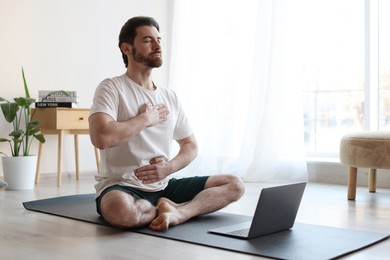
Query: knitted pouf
{"type": "Point", "coordinates": [365, 150]}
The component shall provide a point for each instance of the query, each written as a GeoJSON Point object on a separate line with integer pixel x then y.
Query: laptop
{"type": "Point", "coordinates": [276, 211]}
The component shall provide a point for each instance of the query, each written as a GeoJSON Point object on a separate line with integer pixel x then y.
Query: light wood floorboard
{"type": "Point", "coordinates": [29, 235]}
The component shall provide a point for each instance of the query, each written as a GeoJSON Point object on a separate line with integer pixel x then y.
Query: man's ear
{"type": "Point", "coordinates": [126, 48]}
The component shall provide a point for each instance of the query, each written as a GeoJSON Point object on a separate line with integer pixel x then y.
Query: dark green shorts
{"type": "Point", "coordinates": [178, 191]}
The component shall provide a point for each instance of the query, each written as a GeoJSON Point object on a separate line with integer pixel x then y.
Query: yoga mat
{"type": "Point", "coordinates": [303, 241]}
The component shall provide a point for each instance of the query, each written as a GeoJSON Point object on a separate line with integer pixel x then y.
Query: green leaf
{"type": "Point", "coordinates": [33, 123]}
{"type": "Point", "coordinates": [30, 101]}
{"type": "Point", "coordinates": [17, 133]}
{"type": "Point", "coordinates": [33, 131]}
{"type": "Point", "coordinates": [25, 84]}
{"type": "Point", "coordinates": [24, 102]}
{"type": "Point", "coordinates": [9, 111]}
{"type": "Point", "coordinates": [16, 140]}
{"type": "Point", "coordinates": [40, 138]}
{"type": "Point", "coordinates": [27, 93]}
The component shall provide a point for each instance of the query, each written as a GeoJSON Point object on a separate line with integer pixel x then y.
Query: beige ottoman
{"type": "Point", "coordinates": [365, 150]}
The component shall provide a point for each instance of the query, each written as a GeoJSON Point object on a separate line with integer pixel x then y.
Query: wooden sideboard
{"type": "Point", "coordinates": [62, 121]}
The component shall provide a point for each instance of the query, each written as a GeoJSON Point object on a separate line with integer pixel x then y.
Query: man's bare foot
{"type": "Point", "coordinates": [165, 200]}
{"type": "Point", "coordinates": [167, 214]}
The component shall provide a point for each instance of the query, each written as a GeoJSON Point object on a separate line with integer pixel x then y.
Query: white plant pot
{"type": "Point", "coordinates": [19, 172]}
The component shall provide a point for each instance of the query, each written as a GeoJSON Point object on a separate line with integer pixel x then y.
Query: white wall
{"type": "Point", "coordinates": [69, 45]}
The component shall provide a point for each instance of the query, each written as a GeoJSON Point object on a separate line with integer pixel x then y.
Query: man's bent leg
{"type": "Point", "coordinates": [120, 209]}
{"type": "Point", "coordinates": [219, 191]}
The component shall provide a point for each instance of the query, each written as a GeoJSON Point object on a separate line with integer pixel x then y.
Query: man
{"type": "Point", "coordinates": [133, 122]}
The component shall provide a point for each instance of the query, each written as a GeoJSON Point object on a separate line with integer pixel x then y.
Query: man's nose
{"type": "Point", "coordinates": [156, 45]}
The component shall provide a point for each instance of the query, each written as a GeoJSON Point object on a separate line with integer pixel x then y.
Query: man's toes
{"type": "Point", "coordinates": [159, 224]}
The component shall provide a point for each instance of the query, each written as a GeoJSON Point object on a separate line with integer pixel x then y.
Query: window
{"type": "Point", "coordinates": [333, 74]}
{"type": "Point", "coordinates": [384, 64]}
{"type": "Point", "coordinates": [250, 67]}
{"type": "Point", "coordinates": [346, 72]}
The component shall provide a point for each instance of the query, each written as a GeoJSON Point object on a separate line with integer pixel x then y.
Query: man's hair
{"type": "Point", "coordinates": [129, 31]}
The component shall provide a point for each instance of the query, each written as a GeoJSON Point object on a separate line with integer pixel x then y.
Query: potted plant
{"type": "Point", "coordinates": [19, 168]}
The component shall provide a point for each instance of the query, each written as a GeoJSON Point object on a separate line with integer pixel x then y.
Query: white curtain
{"type": "Point", "coordinates": [233, 67]}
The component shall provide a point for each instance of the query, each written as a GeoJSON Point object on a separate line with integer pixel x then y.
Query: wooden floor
{"type": "Point", "coordinates": [30, 235]}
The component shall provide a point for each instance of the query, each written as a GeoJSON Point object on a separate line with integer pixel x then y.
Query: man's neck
{"type": "Point", "coordinates": [142, 78]}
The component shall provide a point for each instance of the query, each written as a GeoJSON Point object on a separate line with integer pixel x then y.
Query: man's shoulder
{"type": "Point", "coordinates": [117, 81]}
{"type": "Point", "coordinates": [168, 91]}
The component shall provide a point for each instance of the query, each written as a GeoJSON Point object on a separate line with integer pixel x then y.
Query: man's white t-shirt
{"type": "Point", "coordinates": [121, 98]}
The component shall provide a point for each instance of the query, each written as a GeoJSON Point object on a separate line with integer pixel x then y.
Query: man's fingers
{"type": "Point", "coordinates": [157, 159]}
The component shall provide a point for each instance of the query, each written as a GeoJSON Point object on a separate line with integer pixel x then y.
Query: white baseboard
{"type": "Point", "coordinates": [336, 173]}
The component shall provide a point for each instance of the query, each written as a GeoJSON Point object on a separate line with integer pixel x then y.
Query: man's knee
{"type": "Point", "coordinates": [232, 183]}
{"type": "Point", "coordinates": [118, 209]}
{"type": "Point", "coordinates": [237, 186]}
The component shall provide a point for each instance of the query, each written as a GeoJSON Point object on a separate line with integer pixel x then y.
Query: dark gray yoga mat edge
{"type": "Point", "coordinates": [303, 241]}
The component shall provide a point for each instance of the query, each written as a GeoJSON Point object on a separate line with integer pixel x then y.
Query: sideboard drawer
{"type": "Point", "coordinates": [72, 119]}
{"type": "Point", "coordinates": [61, 118]}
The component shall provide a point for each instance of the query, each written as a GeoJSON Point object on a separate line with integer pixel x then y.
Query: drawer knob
{"type": "Point", "coordinates": [81, 118]}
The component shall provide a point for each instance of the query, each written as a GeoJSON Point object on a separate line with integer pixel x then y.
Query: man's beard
{"type": "Point", "coordinates": [151, 62]}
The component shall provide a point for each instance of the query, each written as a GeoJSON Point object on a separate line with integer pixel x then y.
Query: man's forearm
{"type": "Point", "coordinates": [187, 153]}
{"type": "Point", "coordinates": [112, 133]}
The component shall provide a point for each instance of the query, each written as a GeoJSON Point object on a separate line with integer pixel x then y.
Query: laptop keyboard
{"type": "Point", "coordinates": [240, 232]}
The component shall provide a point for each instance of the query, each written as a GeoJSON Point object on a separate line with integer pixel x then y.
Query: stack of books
{"type": "Point", "coordinates": [56, 98]}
